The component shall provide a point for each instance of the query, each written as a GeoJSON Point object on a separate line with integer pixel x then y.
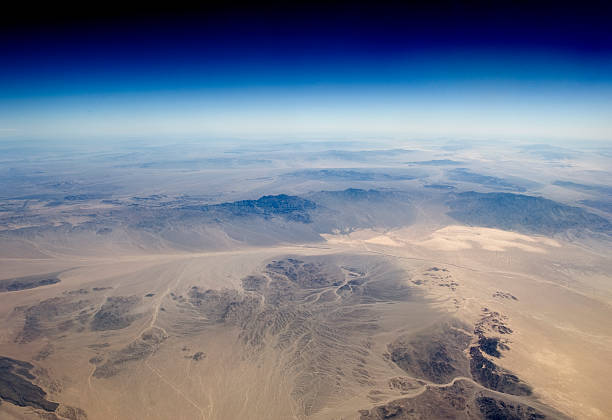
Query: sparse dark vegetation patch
{"type": "Point", "coordinates": [504, 295]}
{"type": "Point", "coordinates": [489, 375]}
{"type": "Point", "coordinates": [435, 403]}
{"type": "Point", "coordinates": [77, 292]}
{"type": "Point", "coordinates": [495, 409]}
{"type": "Point", "coordinates": [462, 400]}
{"type": "Point", "coordinates": [45, 352]}
{"type": "Point", "coordinates": [440, 277]}
{"type": "Point", "coordinates": [71, 413]}
{"type": "Point", "coordinates": [140, 349]}
{"type": "Point", "coordinates": [29, 282]}
{"type": "Point", "coordinates": [305, 274]}
{"type": "Point", "coordinates": [99, 346]}
{"type": "Point", "coordinates": [489, 345]}
{"type": "Point", "coordinates": [486, 330]}
{"type": "Point", "coordinates": [16, 388]}
{"type": "Point", "coordinates": [115, 313]}
{"type": "Point", "coordinates": [492, 321]}
{"type": "Point", "coordinates": [254, 283]}
{"type": "Point", "coordinates": [96, 360]}
{"type": "Point", "coordinates": [52, 316]}
{"type": "Point", "coordinates": [223, 305]}
{"type": "Point", "coordinates": [436, 355]}
{"type": "Point", "coordinates": [405, 385]}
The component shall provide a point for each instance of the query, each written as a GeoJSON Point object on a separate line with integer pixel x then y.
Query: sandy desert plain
{"type": "Point", "coordinates": [369, 284]}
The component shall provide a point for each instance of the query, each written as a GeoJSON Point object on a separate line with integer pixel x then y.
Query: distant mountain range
{"type": "Point", "coordinates": [284, 218]}
{"type": "Point", "coordinates": [523, 213]}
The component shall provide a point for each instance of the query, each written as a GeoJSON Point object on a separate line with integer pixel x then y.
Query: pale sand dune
{"type": "Point", "coordinates": [450, 238]}
{"type": "Point", "coordinates": [383, 240]}
{"type": "Point", "coordinates": [453, 238]}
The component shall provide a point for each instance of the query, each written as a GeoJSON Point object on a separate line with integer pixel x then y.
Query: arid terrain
{"type": "Point", "coordinates": [410, 282]}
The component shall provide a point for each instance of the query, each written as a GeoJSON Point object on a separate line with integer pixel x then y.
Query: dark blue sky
{"type": "Point", "coordinates": [442, 68]}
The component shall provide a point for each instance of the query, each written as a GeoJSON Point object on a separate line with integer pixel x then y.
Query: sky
{"type": "Point", "coordinates": [529, 70]}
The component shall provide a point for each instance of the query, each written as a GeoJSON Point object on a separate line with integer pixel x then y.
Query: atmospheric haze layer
{"type": "Point", "coordinates": [410, 281]}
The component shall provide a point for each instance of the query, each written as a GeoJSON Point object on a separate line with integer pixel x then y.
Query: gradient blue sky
{"type": "Point", "coordinates": [401, 71]}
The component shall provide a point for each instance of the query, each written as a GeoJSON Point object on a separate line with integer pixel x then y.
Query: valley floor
{"type": "Point", "coordinates": [368, 323]}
